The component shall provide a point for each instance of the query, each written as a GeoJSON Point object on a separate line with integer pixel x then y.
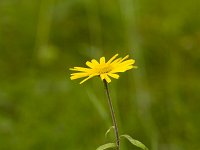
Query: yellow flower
{"type": "Point", "coordinates": [103, 69]}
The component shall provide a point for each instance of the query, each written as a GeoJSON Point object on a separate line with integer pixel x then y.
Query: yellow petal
{"type": "Point", "coordinates": [102, 76]}
{"type": "Point", "coordinates": [124, 58]}
{"type": "Point", "coordinates": [129, 67]}
{"type": "Point", "coordinates": [89, 64]}
{"type": "Point", "coordinates": [79, 69]}
{"type": "Point", "coordinates": [78, 75]}
{"type": "Point", "coordinates": [102, 60]}
{"type": "Point", "coordinates": [116, 76]}
{"type": "Point", "coordinates": [111, 59]}
{"type": "Point", "coordinates": [116, 60]}
{"type": "Point", "coordinates": [94, 62]}
{"type": "Point", "coordinates": [88, 78]}
{"type": "Point", "coordinates": [128, 62]}
{"type": "Point", "coordinates": [121, 69]}
{"type": "Point", "coordinates": [107, 79]}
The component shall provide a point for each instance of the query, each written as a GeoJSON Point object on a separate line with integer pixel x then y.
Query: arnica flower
{"type": "Point", "coordinates": [103, 69]}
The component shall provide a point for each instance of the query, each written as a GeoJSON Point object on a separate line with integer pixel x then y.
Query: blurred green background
{"type": "Point", "coordinates": [158, 103]}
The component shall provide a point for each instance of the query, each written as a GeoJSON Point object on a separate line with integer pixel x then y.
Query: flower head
{"type": "Point", "coordinates": [103, 69]}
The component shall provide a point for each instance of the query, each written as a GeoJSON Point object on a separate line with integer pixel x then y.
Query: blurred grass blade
{"type": "Point", "coordinates": [106, 146]}
{"type": "Point", "coordinates": [108, 131]}
{"type": "Point", "coordinates": [135, 142]}
{"type": "Point", "coordinates": [93, 98]}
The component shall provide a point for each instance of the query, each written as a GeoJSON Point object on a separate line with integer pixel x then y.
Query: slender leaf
{"type": "Point", "coordinates": [106, 146]}
{"type": "Point", "coordinates": [135, 142]}
{"type": "Point", "coordinates": [108, 131]}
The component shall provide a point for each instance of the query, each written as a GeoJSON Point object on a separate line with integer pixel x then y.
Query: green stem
{"type": "Point", "coordinates": [112, 114]}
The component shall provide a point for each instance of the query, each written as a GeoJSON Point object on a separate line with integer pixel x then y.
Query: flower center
{"type": "Point", "coordinates": [104, 69]}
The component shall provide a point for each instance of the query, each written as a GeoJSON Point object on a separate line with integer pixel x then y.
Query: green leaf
{"type": "Point", "coordinates": [106, 146]}
{"type": "Point", "coordinates": [135, 142]}
{"type": "Point", "coordinates": [108, 131]}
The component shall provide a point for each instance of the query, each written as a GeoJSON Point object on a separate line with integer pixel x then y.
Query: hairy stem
{"type": "Point", "coordinates": [112, 114]}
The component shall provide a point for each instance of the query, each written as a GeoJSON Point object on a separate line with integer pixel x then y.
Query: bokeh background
{"type": "Point", "coordinates": [158, 103]}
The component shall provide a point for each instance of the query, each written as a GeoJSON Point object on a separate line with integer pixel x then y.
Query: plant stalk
{"type": "Point", "coordinates": [112, 114]}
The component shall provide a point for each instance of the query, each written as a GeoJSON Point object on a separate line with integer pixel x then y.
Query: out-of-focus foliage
{"type": "Point", "coordinates": [158, 104]}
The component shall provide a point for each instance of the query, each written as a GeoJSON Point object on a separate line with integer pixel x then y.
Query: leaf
{"type": "Point", "coordinates": [106, 146]}
{"type": "Point", "coordinates": [135, 142]}
{"type": "Point", "coordinates": [106, 134]}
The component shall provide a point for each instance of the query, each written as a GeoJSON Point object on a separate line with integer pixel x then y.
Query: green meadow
{"type": "Point", "coordinates": [158, 103]}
